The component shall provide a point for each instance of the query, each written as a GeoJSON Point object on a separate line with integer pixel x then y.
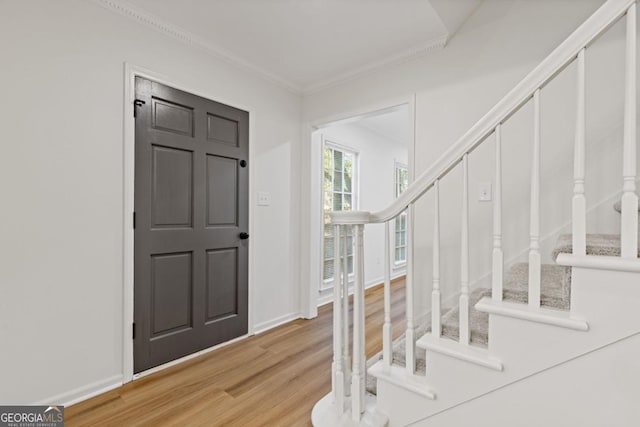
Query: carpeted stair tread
{"type": "Point", "coordinates": [478, 322]}
{"type": "Point", "coordinates": [553, 285]}
{"type": "Point", "coordinates": [597, 244]}
{"type": "Point", "coordinates": [554, 293]}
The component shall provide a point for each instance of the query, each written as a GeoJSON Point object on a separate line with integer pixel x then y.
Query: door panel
{"type": "Point", "coordinates": [191, 204]}
{"type": "Point", "coordinates": [222, 295]}
{"type": "Point", "coordinates": [222, 184]}
{"type": "Point", "coordinates": [171, 293]}
{"type": "Point", "coordinates": [172, 193]}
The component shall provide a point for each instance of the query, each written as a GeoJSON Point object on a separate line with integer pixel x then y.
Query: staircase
{"type": "Point", "coordinates": [548, 344]}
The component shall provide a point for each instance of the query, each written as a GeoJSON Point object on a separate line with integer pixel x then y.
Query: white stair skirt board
{"type": "Point", "coordinates": [399, 376]}
{"type": "Point", "coordinates": [471, 354]}
{"type": "Point", "coordinates": [588, 391]}
{"type": "Point", "coordinates": [325, 414]}
{"type": "Point", "coordinates": [533, 314]}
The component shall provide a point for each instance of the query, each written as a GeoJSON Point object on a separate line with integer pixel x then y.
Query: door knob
{"type": "Point", "coordinates": [243, 235]}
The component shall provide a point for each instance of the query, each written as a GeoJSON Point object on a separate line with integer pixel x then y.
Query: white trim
{"type": "Point", "coordinates": [88, 391]}
{"type": "Point", "coordinates": [312, 195]}
{"type": "Point", "coordinates": [278, 321]}
{"type": "Point", "coordinates": [398, 58]}
{"type": "Point", "coordinates": [469, 353]}
{"type": "Point", "coordinates": [599, 262]}
{"type": "Point", "coordinates": [130, 72]}
{"type": "Point", "coordinates": [543, 315]}
{"type": "Point", "coordinates": [187, 357]}
{"type": "Point", "coordinates": [398, 376]}
{"type": "Point", "coordinates": [156, 23]}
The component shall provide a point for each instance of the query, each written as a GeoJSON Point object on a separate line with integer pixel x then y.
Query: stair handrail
{"type": "Point", "coordinates": [554, 63]}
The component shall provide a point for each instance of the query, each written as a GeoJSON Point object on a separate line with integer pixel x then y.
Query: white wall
{"type": "Point", "coordinates": [498, 45]}
{"type": "Point", "coordinates": [61, 181]}
{"type": "Point", "coordinates": [377, 156]}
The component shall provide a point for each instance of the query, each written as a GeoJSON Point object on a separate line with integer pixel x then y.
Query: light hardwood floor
{"type": "Point", "coordinates": [271, 379]}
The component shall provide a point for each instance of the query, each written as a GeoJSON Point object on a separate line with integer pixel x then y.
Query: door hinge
{"type": "Point", "coordinates": [137, 103]}
{"type": "Point", "coordinates": [134, 220]}
{"type": "Point", "coordinates": [133, 330]}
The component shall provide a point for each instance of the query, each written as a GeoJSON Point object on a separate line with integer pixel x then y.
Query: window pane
{"type": "Point", "coordinates": [350, 264]}
{"type": "Point", "coordinates": [328, 159]}
{"type": "Point", "coordinates": [327, 272]}
{"type": "Point", "coordinates": [337, 181]}
{"type": "Point", "coordinates": [328, 179]}
{"type": "Point", "coordinates": [350, 245]}
{"type": "Point", "coordinates": [328, 247]}
{"type": "Point", "coordinates": [348, 163]}
{"type": "Point", "coordinates": [328, 202]}
{"type": "Point", "coordinates": [347, 182]}
{"type": "Point", "coordinates": [337, 202]}
{"type": "Point", "coordinates": [337, 160]}
{"type": "Point", "coordinates": [346, 205]}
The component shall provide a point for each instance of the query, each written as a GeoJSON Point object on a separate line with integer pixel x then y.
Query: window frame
{"type": "Point", "coordinates": [397, 166]}
{"type": "Point", "coordinates": [328, 142]}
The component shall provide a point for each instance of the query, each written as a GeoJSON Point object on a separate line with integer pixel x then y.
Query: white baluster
{"type": "Point", "coordinates": [629, 227]}
{"type": "Point", "coordinates": [464, 255]}
{"type": "Point", "coordinates": [534, 229]}
{"type": "Point", "coordinates": [436, 328]}
{"type": "Point", "coordinates": [345, 317]}
{"type": "Point", "coordinates": [387, 349]}
{"type": "Point", "coordinates": [410, 334]}
{"type": "Point", "coordinates": [498, 255]}
{"type": "Point", "coordinates": [358, 375]}
{"type": "Point", "coordinates": [337, 365]}
{"type": "Point", "coordinates": [579, 204]}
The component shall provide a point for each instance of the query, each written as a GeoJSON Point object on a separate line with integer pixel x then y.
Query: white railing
{"type": "Point", "coordinates": [574, 48]}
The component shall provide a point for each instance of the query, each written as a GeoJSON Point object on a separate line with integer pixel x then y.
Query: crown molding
{"type": "Point", "coordinates": [152, 21]}
{"type": "Point", "coordinates": [403, 56]}
{"type": "Point", "coordinates": [132, 12]}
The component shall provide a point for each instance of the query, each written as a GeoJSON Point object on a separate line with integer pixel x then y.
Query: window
{"type": "Point", "coordinates": [339, 195]}
{"type": "Point", "coordinates": [400, 243]}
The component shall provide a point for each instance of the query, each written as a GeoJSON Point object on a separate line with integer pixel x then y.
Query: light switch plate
{"type": "Point", "coordinates": [484, 191]}
{"type": "Point", "coordinates": [263, 198]}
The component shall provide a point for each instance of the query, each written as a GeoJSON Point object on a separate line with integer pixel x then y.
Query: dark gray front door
{"type": "Point", "coordinates": [191, 219]}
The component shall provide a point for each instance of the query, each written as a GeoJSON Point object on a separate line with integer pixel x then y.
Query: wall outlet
{"type": "Point", "coordinates": [263, 198]}
{"type": "Point", "coordinates": [484, 191]}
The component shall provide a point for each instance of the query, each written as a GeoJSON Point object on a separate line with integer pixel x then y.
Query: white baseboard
{"type": "Point", "coordinates": [270, 324]}
{"type": "Point", "coordinates": [91, 390]}
{"type": "Point", "coordinates": [83, 393]}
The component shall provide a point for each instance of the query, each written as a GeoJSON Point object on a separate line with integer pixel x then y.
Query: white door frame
{"type": "Point", "coordinates": [311, 156]}
{"type": "Point", "coordinates": [128, 158]}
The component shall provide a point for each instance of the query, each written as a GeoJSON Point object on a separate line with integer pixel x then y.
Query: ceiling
{"type": "Point", "coordinates": [392, 124]}
{"type": "Point", "coordinates": [305, 45]}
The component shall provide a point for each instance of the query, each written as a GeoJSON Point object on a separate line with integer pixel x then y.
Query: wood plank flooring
{"type": "Point", "coordinates": [271, 379]}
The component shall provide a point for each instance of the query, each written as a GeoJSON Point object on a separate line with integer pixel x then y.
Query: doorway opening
{"type": "Point", "coordinates": [364, 164]}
